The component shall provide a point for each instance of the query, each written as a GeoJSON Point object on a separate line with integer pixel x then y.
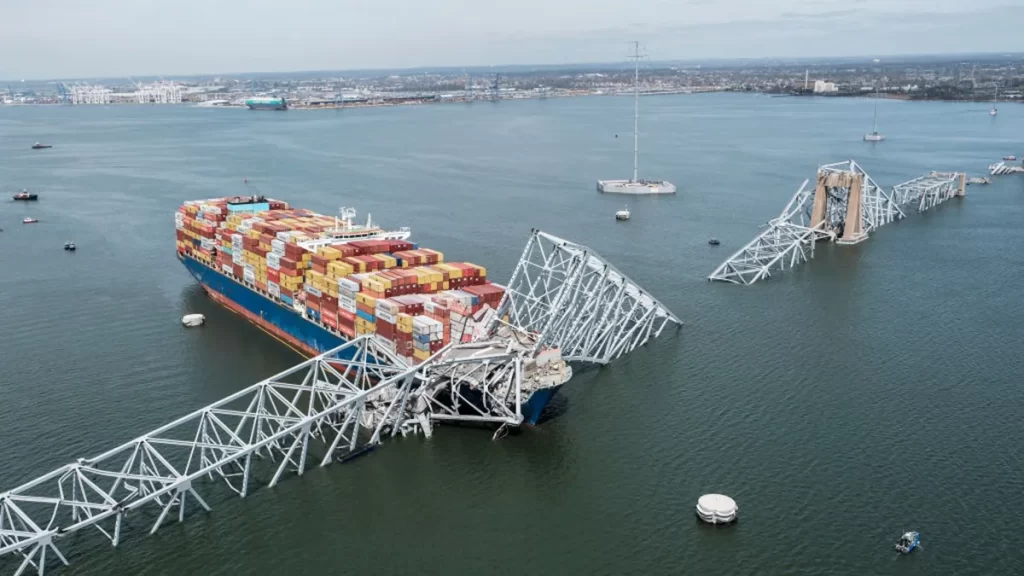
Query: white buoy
{"type": "Point", "coordinates": [191, 320]}
{"type": "Point", "coordinates": [717, 509]}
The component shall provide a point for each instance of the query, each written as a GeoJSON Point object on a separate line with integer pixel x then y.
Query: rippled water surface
{"type": "Point", "coordinates": [875, 390]}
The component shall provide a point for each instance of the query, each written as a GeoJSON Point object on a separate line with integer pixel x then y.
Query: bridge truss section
{"type": "Point", "coordinates": [929, 191]}
{"type": "Point", "coordinates": [564, 295]}
{"type": "Point", "coordinates": [315, 411]}
{"type": "Point", "coordinates": [787, 241]}
{"type": "Point", "coordinates": [877, 207]}
{"type": "Point", "coordinates": [844, 205]}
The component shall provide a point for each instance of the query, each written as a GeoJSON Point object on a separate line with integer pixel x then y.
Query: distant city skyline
{"type": "Point", "coordinates": [48, 39]}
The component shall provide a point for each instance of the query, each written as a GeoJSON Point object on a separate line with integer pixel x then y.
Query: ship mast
{"type": "Point", "coordinates": [636, 111]}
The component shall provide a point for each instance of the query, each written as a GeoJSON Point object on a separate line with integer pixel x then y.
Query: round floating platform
{"type": "Point", "coordinates": [717, 509]}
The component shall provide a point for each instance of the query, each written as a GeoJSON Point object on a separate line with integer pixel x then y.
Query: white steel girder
{"type": "Point", "coordinates": [878, 207]}
{"type": "Point", "coordinates": [789, 239]}
{"type": "Point", "coordinates": [317, 405]}
{"type": "Point", "coordinates": [926, 192]}
{"type": "Point", "coordinates": [568, 297]}
{"type": "Point", "coordinates": [786, 242]}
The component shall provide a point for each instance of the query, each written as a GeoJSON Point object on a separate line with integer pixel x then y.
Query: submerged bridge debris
{"type": "Point", "coordinates": [844, 206]}
{"type": "Point", "coordinates": [564, 304]}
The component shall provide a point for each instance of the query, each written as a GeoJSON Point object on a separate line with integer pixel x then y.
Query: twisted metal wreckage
{"type": "Point", "coordinates": [845, 206]}
{"type": "Point", "coordinates": [563, 304]}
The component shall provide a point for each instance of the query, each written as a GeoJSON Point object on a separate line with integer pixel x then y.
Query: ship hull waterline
{"type": "Point", "coordinates": [301, 335]}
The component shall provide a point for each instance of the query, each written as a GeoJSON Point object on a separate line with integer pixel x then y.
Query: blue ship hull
{"type": "Point", "coordinates": [304, 336]}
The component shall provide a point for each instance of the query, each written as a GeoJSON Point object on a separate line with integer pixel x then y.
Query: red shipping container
{"type": "Point", "coordinates": [293, 252]}
{"type": "Point", "coordinates": [436, 345]}
{"type": "Point", "coordinates": [328, 304]}
{"type": "Point", "coordinates": [239, 270]}
{"type": "Point", "coordinates": [385, 329]}
{"type": "Point", "coordinates": [273, 276]}
{"type": "Point", "coordinates": [329, 319]}
{"type": "Point", "coordinates": [320, 261]}
{"type": "Point", "coordinates": [287, 292]}
{"type": "Point", "coordinates": [312, 300]}
{"type": "Point", "coordinates": [348, 331]}
{"type": "Point", "coordinates": [319, 268]}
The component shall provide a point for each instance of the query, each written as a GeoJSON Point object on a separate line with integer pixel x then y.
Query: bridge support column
{"type": "Point", "coordinates": [853, 230]}
{"type": "Point", "coordinates": [820, 201]}
{"type": "Point", "coordinates": [961, 184]}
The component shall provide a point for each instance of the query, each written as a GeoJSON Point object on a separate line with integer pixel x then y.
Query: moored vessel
{"type": "Point", "coordinates": [263, 103]}
{"type": "Point", "coordinates": [29, 220]}
{"type": "Point", "coordinates": [38, 146]}
{"type": "Point", "coordinates": [636, 185]}
{"type": "Point", "coordinates": [26, 195]}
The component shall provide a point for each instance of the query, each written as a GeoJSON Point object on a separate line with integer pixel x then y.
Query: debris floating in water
{"type": "Point", "coordinates": [192, 320]}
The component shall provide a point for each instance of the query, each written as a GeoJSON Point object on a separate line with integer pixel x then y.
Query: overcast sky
{"type": "Point", "coordinates": [93, 38]}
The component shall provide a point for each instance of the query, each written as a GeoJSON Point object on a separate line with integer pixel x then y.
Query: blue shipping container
{"type": "Point", "coordinates": [365, 316]}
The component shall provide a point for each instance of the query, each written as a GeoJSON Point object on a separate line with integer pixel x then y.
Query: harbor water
{"type": "Point", "coordinates": [875, 390]}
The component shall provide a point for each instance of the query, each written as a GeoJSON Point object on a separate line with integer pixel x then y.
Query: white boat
{"type": "Point", "coordinates": [193, 320]}
{"type": "Point", "coordinates": [636, 185]}
{"type": "Point", "coordinates": [874, 136]}
{"type": "Point", "coordinates": [622, 214]}
{"type": "Point", "coordinates": [1010, 158]}
{"type": "Point", "coordinates": [994, 111]}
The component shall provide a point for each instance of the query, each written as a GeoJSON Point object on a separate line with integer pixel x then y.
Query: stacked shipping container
{"type": "Point", "coordinates": [408, 296]}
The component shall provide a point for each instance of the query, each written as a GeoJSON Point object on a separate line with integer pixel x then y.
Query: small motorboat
{"type": "Point", "coordinates": [26, 195]}
{"type": "Point", "coordinates": [38, 146]}
{"type": "Point", "coordinates": [29, 221]}
{"type": "Point", "coordinates": [70, 246]}
{"type": "Point", "coordinates": [622, 214]}
{"type": "Point", "coordinates": [908, 542]}
{"type": "Point", "coordinates": [1010, 158]}
{"type": "Point", "coordinates": [713, 241]}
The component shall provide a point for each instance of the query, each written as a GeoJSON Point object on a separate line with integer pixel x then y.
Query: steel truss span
{"type": "Point", "coordinates": [844, 206]}
{"type": "Point", "coordinates": [571, 298]}
{"type": "Point", "coordinates": [562, 297]}
{"type": "Point", "coordinates": [258, 434]}
{"type": "Point", "coordinates": [926, 192]}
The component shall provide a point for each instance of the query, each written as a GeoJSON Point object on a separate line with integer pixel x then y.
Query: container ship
{"type": "Point", "coordinates": [314, 281]}
{"type": "Point", "coordinates": [267, 104]}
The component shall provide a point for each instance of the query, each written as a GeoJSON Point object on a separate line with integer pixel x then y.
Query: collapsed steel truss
{"type": "Point", "coordinates": [278, 422]}
{"type": "Point", "coordinates": [929, 191]}
{"type": "Point", "coordinates": [341, 403]}
{"type": "Point", "coordinates": [574, 300]}
{"type": "Point", "coordinates": [787, 241]}
{"type": "Point", "coordinates": [811, 215]}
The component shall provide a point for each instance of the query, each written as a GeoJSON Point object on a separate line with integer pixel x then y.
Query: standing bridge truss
{"type": "Point", "coordinates": [845, 206]}
{"type": "Point", "coordinates": [338, 405]}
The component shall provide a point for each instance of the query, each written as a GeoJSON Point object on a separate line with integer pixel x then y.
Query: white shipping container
{"type": "Point", "coordinates": [274, 289]}
{"type": "Point", "coordinates": [385, 316]}
{"type": "Point", "coordinates": [236, 257]}
{"type": "Point", "coordinates": [313, 290]}
{"type": "Point", "coordinates": [227, 268]}
{"type": "Point", "coordinates": [284, 236]}
{"type": "Point", "coordinates": [346, 284]}
{"type": "Point", "coordinates": [276, 244]}
{"type": "Point", "coordinates": [249, 276]}
{"type": "Point", "coordinates": [250, 269]}
{"type": "Point", "coordinates": [274, 260]}
{"type": "Point", "coordinates": [207, 244]}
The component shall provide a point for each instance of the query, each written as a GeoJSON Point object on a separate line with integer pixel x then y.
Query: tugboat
{"type": "Point", "coordinates": [69, 246]}
{"type": "Point", "coordinates": [26, 195]}
{"type": "Point", "coordinates": [908, 542]}
{"type": "Point", "coordinates": [29, 221]}
{"type": "Point", "coordinates": [1010, 158]}
{"type": "Point", "coordinates": [38, 146]}
{"type": "Point", "coordinates": [622, 214]}
{"type": "Point", "coordinates": [713, 241]}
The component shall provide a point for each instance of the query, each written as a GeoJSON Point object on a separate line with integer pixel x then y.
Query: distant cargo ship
{"type": "Point", "coordinates": [314, 281]}
{"type": "Point", "coordinates": [267, 104]}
